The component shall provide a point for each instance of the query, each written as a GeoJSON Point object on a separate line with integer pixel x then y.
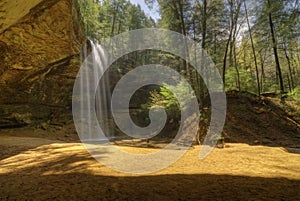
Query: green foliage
{"type": "Point", "coordinates": [296, 94]}
{"type": "Point", "coordinates": [106, 18]}
{"type": "Point", "coordinates": [166, 99]}
{"type": "Point", "coordinates": [231, 79]}
{"type": "Point", "coordinates": [248, 82]}
{"type": "Point", "coordinates": [89, 12]}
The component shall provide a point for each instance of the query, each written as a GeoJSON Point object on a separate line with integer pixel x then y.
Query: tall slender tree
{"type": "Point", "coordinates": [253, 49]}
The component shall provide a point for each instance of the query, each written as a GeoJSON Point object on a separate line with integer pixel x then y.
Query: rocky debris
{"type": "Point", "coordinates": [39, 116]}
{"type": "Point", "coordinates": [15, 120]}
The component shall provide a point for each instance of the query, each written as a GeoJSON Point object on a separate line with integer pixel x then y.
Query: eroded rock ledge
{"type": "Point", "coordinates": [39, 48]}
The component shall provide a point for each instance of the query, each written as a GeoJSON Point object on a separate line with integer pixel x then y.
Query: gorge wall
{"type": "Point", "coordinates": [40, 43]}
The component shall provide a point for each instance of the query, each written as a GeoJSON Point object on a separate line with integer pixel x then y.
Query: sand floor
{"type": "Point", "coordinates": [41, 169]}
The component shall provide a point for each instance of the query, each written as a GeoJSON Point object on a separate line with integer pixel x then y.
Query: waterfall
{"type": "Point", "coordinates": [94, 96]}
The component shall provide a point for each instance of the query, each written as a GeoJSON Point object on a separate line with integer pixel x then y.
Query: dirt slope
{"type": "Point", "coordinates": [264, 121]}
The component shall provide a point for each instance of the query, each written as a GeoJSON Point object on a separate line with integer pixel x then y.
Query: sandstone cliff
{"type": "Point", "coordinates": [39, 59]}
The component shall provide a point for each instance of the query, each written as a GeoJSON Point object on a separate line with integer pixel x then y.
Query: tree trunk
{"type": "Point", "coordinates": [253, 49]}
{"type": "Point", "coordinates": [274, 43]}
{"type": "Point", "coordinates": [263, 75]}
{"type": "Point", "coordinates": [236, 69]}
{"type": "Point", "coordinates": [289, 82]}
{"type": "Point", "coordinates": [203, 45]}
{"type": "Point", "coordinates": [189, 72]}
{"type": "Point", "coordinates": [197, 81]}
{"type": "Point", "coordinates": [225, 57]}
{"type": "Point", "coordinates": [233, 21]}
{"type": "Point", "coordinates": [233, 45]}
{"type": "Point", "coordinates": [295, 72]}
{"type": "Point", "coordinates": [290, 68]}
{"type": "Point", "coordinates": [114, 20]}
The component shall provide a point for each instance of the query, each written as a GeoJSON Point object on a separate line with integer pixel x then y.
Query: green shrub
{"type": "Point", "coordinates": [166, 99]}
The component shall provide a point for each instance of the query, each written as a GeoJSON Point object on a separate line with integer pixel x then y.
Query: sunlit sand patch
{"type": "Point", "coordinates": [236, 159]}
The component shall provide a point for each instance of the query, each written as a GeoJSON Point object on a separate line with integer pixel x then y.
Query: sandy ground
{"type": "Point", "coordinates": [42, 169]}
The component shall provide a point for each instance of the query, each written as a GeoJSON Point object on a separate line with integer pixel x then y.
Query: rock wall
{"type": "Point", "coordinates": [40, 43]}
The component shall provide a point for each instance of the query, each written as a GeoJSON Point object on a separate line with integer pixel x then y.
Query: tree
{"type": "Point", "coordinates": [234, 11]}
{"type": "Point", "coordinates": [253, 49]}
{"type": "Point", "coordinates": [274, 43]}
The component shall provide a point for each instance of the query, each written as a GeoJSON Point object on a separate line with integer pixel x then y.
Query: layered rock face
{"type": "Point", "coordinates": [39, 58]}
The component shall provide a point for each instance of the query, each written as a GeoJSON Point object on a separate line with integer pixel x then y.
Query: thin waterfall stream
{"type": "Point", "coordinates": [95, 93]}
